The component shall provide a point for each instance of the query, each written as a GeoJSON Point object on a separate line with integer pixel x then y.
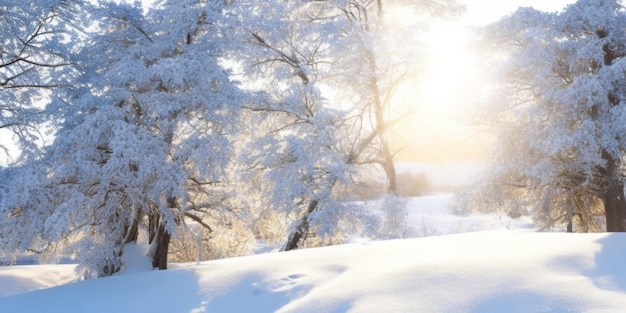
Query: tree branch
{"type": "Point", "coordinates": [198, 220]}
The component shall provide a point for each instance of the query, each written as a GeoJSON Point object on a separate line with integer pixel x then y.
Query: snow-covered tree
{"type": "Point", "coordinates": [146, 146]}
{"type": "Point", "coordinates": [370, 55]}
{"type": "Point", "coordinates": [560, 111]}
{"type": "Point", "coordinates": [364, 60]}
{"type": "Point", "coordinates": [309, 144]}
{"type": "Point", "coordinates": [291, 153]}
{"type": "Point", "coordinates": [37, 72]}
{"type": "Point", "coordinates": [154, 124]}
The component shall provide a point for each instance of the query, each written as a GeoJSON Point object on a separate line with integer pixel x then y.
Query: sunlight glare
{"type": "Point", "coordinates": [440, 94]}
{"type": "Point", "coordinates": [449, 65]}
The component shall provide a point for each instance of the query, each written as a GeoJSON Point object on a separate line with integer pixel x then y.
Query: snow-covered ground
{"type": "Point", "coordinates": [432, 215]}
{"type": "Point", "coordinates": [503, 270]}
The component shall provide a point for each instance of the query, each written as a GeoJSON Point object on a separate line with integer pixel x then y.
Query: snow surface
{"type": "Point", "coordinates": [484, 271]}
{"type": "Point", "coordinates": [432, 215]}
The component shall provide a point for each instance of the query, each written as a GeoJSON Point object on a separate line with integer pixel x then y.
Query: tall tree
{"type": "Point", "coordinates": [561, 109]}
{"type": "Point", "coordinates": [370, 58]}
{"type": "Point", "coordinates": [305, 47]}
{"type": "Point", "coordinates": [37, 72]}
{"type": "Point", "coordinates": [150, 130]}
{"type": "Point", "coordinates": [291, 148]}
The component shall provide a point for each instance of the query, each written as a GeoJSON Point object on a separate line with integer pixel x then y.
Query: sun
{"type": "Point", "coordinates": [449, 62]}
{"type": "Point", "coordinates": [446, 87]}
{"type": "Point", "coordinates": [452, 83]}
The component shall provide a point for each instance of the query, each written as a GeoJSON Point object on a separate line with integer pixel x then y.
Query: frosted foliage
{"type": "Point", "coordinates": [290, 154]}
{"type": "Point", "coordinates": [560, 107]}
{"type": "Point", "coordinates": [34, 69]}
{"type": "Point", "coordinates": [385, 218]}
{"type": "Point", "coordinates": [302, 145]}
{"type": "Point", "coordinates": [151, 122]}
{"type": "Point", "coordinates": [198, 111]}
{"type": "Point", "coordinates": [299, 163]}
{"type": "Point", "coordinates": [270, 226]}
{"type": "Point", "coordinates": [107, 175]}
{"type": "Point", "coordinates": [24, 207]}
{"type": "Point", "coordinates": [195, 243]}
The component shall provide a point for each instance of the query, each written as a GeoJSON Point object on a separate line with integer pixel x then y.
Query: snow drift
{"type": "Point", "coordinates": [494, 271]}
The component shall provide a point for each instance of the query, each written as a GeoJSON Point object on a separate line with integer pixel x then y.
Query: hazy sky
{"type": "Point", "coordinates": [451, 84]}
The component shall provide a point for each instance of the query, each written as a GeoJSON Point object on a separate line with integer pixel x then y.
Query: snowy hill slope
{"type": "Point", "coordinates": [21, 279]}
{"type": "Point", "coordinates": [494, 271]}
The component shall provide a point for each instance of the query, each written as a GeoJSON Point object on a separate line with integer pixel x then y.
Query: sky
{"type": "Point", "coordinates": [451, 84]}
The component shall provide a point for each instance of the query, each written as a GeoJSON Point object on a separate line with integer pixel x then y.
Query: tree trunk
{"type": "Point", "coordinates": [390, 172]}
{"type": "Point", "coordinates": [159, 239]}
{"type": "Point", "coordinates": [615, 207]}
{"type": "Point", "coordinates": [301, 230]}
{"type": "Point", "coordinates": [614, 203]}
{"type": "Point", "coordinates": [132, 230]}
{"type": "Point", "coordinates": [570, 224]}
{"type": "Point", "coordinates": [382, 133]}
{"type": "Point", "coordinates": [159, 259]}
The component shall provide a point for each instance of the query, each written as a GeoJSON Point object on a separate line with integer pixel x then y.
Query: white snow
{"type": "Point", "coordinates": [484, 271]}
{"type": "Point", "coordinates": [135, 259]}
{"type": "Point", "coordinates": [431, 215]}
{"type": "Point", "coordinates": [26, 278]}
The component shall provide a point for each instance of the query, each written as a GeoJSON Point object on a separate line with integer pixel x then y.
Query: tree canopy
{"type": "Point", "coordinates": [194, 118]}
{"type": "Point", "coordinates": [560, 112]}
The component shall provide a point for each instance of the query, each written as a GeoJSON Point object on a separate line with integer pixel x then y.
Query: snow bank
{"type": "Point", "coordinates": [25, 278]}
{"type": "Point", "coordinates": [496, 271]}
